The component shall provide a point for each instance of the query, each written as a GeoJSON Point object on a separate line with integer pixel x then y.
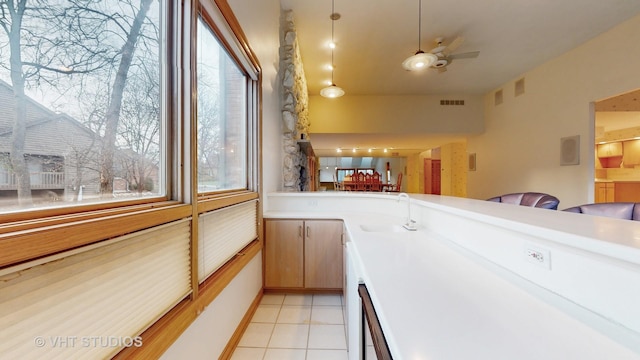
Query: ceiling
{"type": "Point", "coordinates": [373, 37]}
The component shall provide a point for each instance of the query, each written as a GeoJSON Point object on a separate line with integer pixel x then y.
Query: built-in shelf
{"type": "Point", "coordinates": [305, 146]}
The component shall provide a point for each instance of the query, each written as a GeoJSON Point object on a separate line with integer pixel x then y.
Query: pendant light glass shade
{"type": "Point", "coordinates": [332, 91]}
{"type": "Point", "coordinates": [419, 61]}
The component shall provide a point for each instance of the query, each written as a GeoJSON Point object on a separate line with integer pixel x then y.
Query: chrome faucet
{"type": "Point", "coordinates": [410, 224]}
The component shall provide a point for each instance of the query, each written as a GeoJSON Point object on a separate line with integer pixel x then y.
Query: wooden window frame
{"type": "Point", "coordinates": [27, 236]}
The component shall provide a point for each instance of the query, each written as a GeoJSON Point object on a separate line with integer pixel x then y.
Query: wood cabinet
{"type": "Point", "coordinates": [627, 191]}
{"type": "Point", "coordinates": [618, 191]}
{"type": "Point", "coordinates": [631, 152]}
{"type": "Point", "coordinates": [284, 254]}
{"type": "Point", "coordinates": [303, 254]}
{"type": "Point", "coordinates": [605, 192]}
{"type": "Point", "coordinates": [610, 149]}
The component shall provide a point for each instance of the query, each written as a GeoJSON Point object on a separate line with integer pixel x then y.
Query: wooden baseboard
{"type": "Point", "coordinates": [301, 291]}
{"type": "Point", "coordinates": [237, 335]}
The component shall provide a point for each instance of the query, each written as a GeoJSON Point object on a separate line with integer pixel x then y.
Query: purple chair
{"type": "Point", "coordinates": [532, 199]}
{"type": "Point", "coordinates": [618, 210]}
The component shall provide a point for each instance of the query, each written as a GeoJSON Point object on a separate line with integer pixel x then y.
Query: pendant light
{"type": "Point", "coordinates": [332, 91]}
{"type": "Point", "coordinates": [420, 60]}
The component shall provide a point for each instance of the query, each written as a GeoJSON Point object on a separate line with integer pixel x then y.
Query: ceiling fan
{"type": "Point", "coordinates": [445, 56]}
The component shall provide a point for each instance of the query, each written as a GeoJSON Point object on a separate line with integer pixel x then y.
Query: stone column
{"type": "Point", "coordinates": [295, 101]}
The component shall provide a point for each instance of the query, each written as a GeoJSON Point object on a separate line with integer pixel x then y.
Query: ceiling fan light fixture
{"type": "Point", "coordinates": [420, 60]}
{"type": "Point", "coordinates": [332, 91]}
{"type": "Point", "coordinates": [440, 63]}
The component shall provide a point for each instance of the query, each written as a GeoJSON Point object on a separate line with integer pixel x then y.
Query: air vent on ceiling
{"type": "Point", "coordinates": [519, 87]}
{"type": "Point", "coordinates": [497, 97]}
{"type": "Point", "coordinates": [452, 102]}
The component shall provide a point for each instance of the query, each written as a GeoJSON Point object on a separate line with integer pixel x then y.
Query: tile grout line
{"type": "Point", "coordinates": [272, 330]}
{"type": "Point", "coordinates": [311, 314]}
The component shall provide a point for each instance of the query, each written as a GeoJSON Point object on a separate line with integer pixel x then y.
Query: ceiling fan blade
{"type": "Point", "coordinates": [453, 46]}
{"type": "Point", "coordinates": [467, 55]}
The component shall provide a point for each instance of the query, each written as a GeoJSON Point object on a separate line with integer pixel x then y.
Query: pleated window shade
{"type": "Point", "coordinates": [224, 232]}
{"type": "Point", "coordinates": [91, 302]}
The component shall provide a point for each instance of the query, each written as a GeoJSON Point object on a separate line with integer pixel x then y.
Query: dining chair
{"type": "Point", "coordinates": [376, 184]}
{"type": "Point", "coordinates": [360, 182]}
{"type": "Point", "coordinates": [336, 184]}
{"type": "Point", "coordinates": [368, 181]}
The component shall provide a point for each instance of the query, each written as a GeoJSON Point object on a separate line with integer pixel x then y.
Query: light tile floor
{"type": "Point", "coordinates": [295, 327]}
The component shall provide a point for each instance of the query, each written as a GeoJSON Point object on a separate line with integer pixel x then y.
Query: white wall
{"type": "Point", "coordinates": [520, 148]}
{"type": "Point", "coordinates": [260, 21]}
{"type": "Point", "coordinates": [209, 334]}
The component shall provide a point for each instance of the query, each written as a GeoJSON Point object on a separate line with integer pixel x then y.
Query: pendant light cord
{"type": "Point", "coordinates": [419, 23]}
{"type": "Point", "coordinates": [333, 44]}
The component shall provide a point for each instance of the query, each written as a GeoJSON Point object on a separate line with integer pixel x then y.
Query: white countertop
{"type": "Point", "coordinates": [435, 303]}
{"type": "Point", "coordinates": [437, 300]}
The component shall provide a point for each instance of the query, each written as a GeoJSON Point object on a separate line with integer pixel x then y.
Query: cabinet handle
{"type": "Point", "coordinates": [300, 231]}
{"type": "Point", "coordinates": [308, 232]}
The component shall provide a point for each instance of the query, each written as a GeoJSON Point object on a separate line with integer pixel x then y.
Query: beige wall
{"type": "Point", "coordinates": [382, 114]}
{"type": "Point", "coordinates": [208, 335]}
{"type": "Point", "coordinates": [520, 149]}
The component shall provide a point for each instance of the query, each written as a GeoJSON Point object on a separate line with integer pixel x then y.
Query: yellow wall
{"type": "Point", "coordinates": [364, 114]}
{"type": "Point", "coordinates": [453, 169]}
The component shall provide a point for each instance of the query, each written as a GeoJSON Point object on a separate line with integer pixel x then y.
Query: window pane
{"type": "Point", "coordinates": [80, 116]}
{"type": "Point", "coordinates": [222, 117]}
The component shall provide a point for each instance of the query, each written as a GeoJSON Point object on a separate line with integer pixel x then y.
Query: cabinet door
{"type": "Point", "coordinates": [323, 265]}
{"type": "Point", "coordinates": [610, 149]}
{"type": "Point", "coordinates": [615, 148]}
{"type": "Point", "coordinates": [284, 254]}
{"type": "Point", "coordinates": [600, 192]}
{"type": "Point", "coordinates": [631, 153]}
{"type": "Point", "coordinates": [610, 192]}
{"type": "Point", "coordinates": [627, 192]}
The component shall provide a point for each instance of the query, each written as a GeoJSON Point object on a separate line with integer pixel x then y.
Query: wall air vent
{"type": "Point", "coordinates": [452, 102]}
{"type": "Point", "coordinates": [519, 87]}
{"type": "Point", "coordinates": [497, 98]}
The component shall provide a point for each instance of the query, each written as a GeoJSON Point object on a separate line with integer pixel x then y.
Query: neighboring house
{"type": "Point", "coordinates": [63, 155]}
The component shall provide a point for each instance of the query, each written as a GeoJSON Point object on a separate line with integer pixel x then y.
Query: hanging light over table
{"type": "Point", "coordinates": [332, 91]}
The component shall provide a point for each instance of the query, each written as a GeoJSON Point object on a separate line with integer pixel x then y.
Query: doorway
{"type": "Point", "coordinates": [617, 149]}
{"type": "Point", "coordinates": [432, 176]}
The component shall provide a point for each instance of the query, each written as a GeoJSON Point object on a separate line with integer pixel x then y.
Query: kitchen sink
{"type": "Point", "coordinates": [382, 228]}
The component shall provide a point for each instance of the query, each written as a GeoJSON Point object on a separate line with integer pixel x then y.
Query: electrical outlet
{"type": "Point", "coordinates": [538, 256]}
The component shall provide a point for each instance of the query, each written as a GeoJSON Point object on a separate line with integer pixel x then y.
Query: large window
{"type": "Point", "coordinates": [80, 111]}
{"type": "Point", "coordinates": [97, 119]}
{"type": "Point", "coordinates": [222, 116]}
